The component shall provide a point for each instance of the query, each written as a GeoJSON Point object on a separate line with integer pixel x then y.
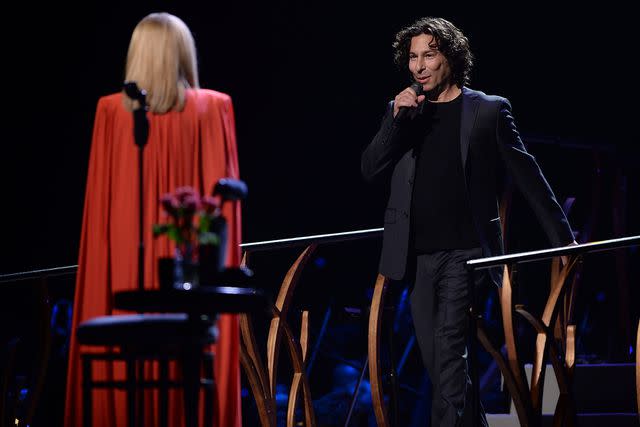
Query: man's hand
{"type": "Point", "coordinates": [407, 98]}
{"type": "Point", "coordinates": [565, 258]}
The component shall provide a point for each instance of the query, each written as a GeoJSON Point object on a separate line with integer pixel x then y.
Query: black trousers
{"type": "Point", "coordinates": [440, 301]}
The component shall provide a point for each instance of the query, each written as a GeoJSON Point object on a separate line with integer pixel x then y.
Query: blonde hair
{"type": "Point", "coordinates": [162, 60]}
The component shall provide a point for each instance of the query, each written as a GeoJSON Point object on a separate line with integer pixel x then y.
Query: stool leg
{"type": "Point", "coordinates": [164, 392]}
{"type": "Point", "coordinates": [87, 403]}
{"type": "Point", "coordinates": [130, 382]}
{"type": "Point", "coordinates": [191, 378]}
{"type": "Point", "coordinates": [210, 396]}
{"type": "Point", "coordinates": [140, 381]}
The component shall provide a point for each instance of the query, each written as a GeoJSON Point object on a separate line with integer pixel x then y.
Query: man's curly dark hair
{"type": "Point", "coordinates": [450, 40]}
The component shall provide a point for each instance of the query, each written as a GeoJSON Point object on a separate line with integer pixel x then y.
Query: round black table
{"type": "Point", "coordinates": [200, 300]}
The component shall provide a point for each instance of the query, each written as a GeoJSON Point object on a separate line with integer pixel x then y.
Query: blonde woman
{"type": "Point", "coordinates": [191, 142]}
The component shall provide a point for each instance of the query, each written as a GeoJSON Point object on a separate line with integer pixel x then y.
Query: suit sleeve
{"type": "Point", "coordinates": [529, 178]}
{"type": "Point", "coordinates": [386, 148]}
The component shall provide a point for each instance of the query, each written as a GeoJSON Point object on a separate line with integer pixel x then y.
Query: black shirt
{"type": "Point", "coordinates": [440, 212]}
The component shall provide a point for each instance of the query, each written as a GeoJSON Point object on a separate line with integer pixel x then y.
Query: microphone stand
{"type": "Point", "coordinates": [141, 134]}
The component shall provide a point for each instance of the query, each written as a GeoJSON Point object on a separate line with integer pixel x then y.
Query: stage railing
{"type": "Point", "coordinates": [555, 333]}
{"type": "Point", "coordinates": [555, 330]}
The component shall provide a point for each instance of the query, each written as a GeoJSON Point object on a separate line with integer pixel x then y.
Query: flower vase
{"type": "Point", "coordinates": [185, 269]}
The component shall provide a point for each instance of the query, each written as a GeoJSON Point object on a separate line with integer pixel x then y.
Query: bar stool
{"type": "Point", "coordinates": [180, 333]}
{"type": "Point", "coordinates": [141, 338]}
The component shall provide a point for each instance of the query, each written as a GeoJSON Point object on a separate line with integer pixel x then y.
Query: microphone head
{"type": "Point", "coordinates": [417, 88]}
{"type": "Point", "coordinates": [132, 91]}
{"type": "Point", "coordinates": [230, 189]}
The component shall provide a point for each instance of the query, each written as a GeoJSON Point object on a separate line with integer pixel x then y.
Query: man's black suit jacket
{"type": "Point", "coordinates": [489, 145]}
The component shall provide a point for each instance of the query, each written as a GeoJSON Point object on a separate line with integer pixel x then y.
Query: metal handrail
{"type": "Point", "coordinates": [34, 274]}
{"type": "Point", "coordinates": [521, 257]}
{"type": "Point", "coordinates": [318, 238]}
{"type": "Point", "coordinates": [477, 264]}
{"type": "Point", "coordinates": [253, 246]}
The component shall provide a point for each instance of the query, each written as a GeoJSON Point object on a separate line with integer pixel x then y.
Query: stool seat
{"type": "Point", "coordinates": [147, 330]}
{"type": "Point", "coordinates": [202, 300]}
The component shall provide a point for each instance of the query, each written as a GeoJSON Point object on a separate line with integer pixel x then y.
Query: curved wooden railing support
{"type": "Point", "coordinates": [375, 332]}
{"type": "Point", "coordinates": [519, 400]}
{"type": "Point", "coordinates": [262, 378]}
{"type": "Point", "coordinates": [513, 366]}
{"type": "Point", "coordinates": [528, 398]}
{"type": "Point", "coordinates": [545, 337]}
{"type": "Point", "coordinates": [254, 368]}
{"type": "Point", "coordinates": [264, 401]}
{"type": "Point", "coordinates": [282, 305]}
{"type": "Point", "coordinates": [560, 335]}
{"type": "Point", "coordinates": [299, 380]}
{"type": "Point", "coordinates": [506, 304]}
{"type": "Point", "coordinates": [298, 376]}
{"type": "Point", "coordinates": [555, 334]}
{"type": "Point", "coordinates": [263, 381]}
{"type": "Point", "coordinates": [256, 373]}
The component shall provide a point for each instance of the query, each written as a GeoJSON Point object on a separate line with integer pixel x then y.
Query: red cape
{"type": "Point", "coordinates": [195, 147]}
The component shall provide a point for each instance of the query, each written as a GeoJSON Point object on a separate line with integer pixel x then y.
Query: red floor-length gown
{"type": "Point", "coordinates": [195, 147]}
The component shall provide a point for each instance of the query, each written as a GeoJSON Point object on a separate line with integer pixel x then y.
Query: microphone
{"type": "Point", "coordinates": [133, 92]}
{"type": "Point", "coordinates": [230, 189]}
{"type": "Point", "coordinates": [140, 121]}
{"type": "Point", "coordinates": [403, 111]}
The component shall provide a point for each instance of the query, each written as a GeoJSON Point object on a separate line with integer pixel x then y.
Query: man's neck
{"type": "Point", "coordinates": [445, 94]}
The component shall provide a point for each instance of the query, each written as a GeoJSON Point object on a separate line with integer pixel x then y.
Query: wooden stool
{"type": "Point", "coordinates": [151, 337]}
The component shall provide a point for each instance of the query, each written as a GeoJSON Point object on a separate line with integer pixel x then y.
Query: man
{"type": "Point", "coordinates": [446, 150]}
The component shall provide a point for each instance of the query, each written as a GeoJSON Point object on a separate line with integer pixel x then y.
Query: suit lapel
{"type": "Point", "coordinates": [469, 113]}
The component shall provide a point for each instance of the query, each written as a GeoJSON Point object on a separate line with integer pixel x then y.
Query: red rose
{"type": "Point", "coordinates": [182, 193]}
{"type": "Point", "coordinates": [169, 204]}
{"type": "Point", "coordinates": [210, 204]}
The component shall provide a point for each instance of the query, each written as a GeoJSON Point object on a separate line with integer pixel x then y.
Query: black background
{"type": "Point", "coordinates": [309, 84]}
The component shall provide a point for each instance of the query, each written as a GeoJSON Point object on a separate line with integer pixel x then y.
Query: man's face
{"type": "Point", "coordinates": [427, 64]}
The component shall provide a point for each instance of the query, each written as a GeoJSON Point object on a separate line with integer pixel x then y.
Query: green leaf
{"type": "Point", "coordinates": [174, 234]}
{"type": "Point", "coordinates": [159, 229]}
{"type": "Point", "coordinates": [205, 222]}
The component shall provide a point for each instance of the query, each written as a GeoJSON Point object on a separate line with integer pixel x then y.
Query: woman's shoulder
{"type": "Point", "coordinates": [112, 98]}
{"type": "Point", "coordinates": [110, 102]}
{"type": "Point", "coordinates": [208, 95]}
